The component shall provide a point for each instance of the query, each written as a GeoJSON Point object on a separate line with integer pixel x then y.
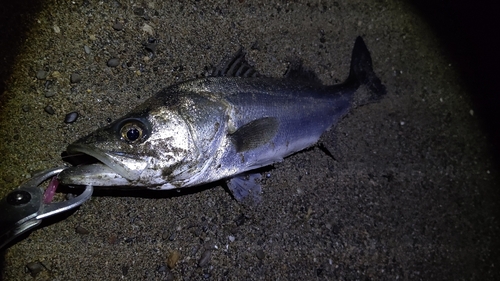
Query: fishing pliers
{"type": "Point", "coordinates": [24, 208]}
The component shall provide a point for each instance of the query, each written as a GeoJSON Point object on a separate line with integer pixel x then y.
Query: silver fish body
{"type": "Point", "coordinates": [215, 128]}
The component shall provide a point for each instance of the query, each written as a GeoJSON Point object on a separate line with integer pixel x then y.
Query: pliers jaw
{"type": "Point", "coordinates": [23, 209]}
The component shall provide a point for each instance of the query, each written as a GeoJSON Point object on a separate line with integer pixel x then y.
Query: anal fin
{"type": "Point", "coordinates": [246, 187]}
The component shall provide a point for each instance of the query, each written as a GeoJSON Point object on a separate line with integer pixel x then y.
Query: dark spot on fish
{"type": "Point", "coordinates": [170, 100]}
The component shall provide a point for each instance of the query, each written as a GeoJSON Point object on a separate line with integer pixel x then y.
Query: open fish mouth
{"type": "Point", "coordinates": [106, 168]}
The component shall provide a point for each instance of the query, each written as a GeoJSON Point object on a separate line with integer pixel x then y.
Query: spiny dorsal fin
{"type": "Point", "coordinates": [237, 66]}
{"type": "Point", "coordinates": [255, 133]}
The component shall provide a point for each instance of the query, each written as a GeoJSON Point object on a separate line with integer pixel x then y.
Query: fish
{"type": "Point", "coordinates": [220, 128]}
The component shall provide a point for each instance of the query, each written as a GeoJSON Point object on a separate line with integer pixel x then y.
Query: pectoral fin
{"type": "Point", "coordinates": [255, 134]}
{"type": "Point", "coordinates": [245, 187]}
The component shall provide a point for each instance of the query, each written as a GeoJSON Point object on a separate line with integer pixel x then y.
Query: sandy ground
{"type": "Point", "coordinates": [410, 195]}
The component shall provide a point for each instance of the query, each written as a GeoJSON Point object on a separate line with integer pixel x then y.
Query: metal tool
{"type": "Point", "coordinates": [23, 209]}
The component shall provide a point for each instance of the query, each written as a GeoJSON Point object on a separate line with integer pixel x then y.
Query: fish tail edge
{"type": "Point", "coordinates": [361, 71]}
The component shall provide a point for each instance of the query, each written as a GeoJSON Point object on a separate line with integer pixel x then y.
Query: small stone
{"type": "Point", "coordinates": [47, 84]}
{"type": "Point", "coordinates": [205, 258]}
{"type": "Point", "coordinates": [260, 254]}
{"type": "Point", "coordinates": [81, 230]}
{"type": "Point", "coordinates": [139, 11]}
{"type": "Point", "coordinates": [75, 78]}
{"type": "Point", "coordinates": [26, 108]}
{"type": "Point", "coordinates": [41, 74]}
{"type": "Point", "coordinates": [56, 74]}
{"type": "Point", "coordinates": [49, 94]}
{"type": "Point", "coordinates": [125, 269]}
{"type": "Point", "coordinates": [162, 268]}
{"type": "Point", "coordinates": [173, 258]}
{"type": "Point", "coordinates": [118, 26]}
{"type": "Point", "coordinates": [240, 220]}
{"type": "Point", "coordinates": [148, 29]}
{"type": "Point", "coordinates": [34, 268]}
{"type": "Point", "coordinates": [49, 110]}
{"type": "Point", "coordinates": [71, 117]}
{"type": "Point", "coordinates": [86, 49]}
{"type": "Point", "coordinates": [151, 47]}
{"type": "Point", "coordinates": [169, 276]}
{"type": "Point", "coordinates": [114, 62]}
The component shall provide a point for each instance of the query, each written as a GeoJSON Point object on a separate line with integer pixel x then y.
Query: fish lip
{"type": "Point", "coordinates": [113, 160]}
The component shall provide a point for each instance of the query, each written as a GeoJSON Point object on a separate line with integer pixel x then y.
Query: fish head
{"type": "Point", "coordinates": [147, 147]}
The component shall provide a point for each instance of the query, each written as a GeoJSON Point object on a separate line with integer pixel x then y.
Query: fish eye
{"type": "Point", "coordinates": [132, 132]}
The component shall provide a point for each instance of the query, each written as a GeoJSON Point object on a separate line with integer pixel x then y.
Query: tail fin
{"type": "Point", "coordinates": [361, 72]}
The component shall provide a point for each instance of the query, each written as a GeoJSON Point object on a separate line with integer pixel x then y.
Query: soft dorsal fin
{"type": "Point", "coordinates": [296, 71]}
{"type": "Point", "coordinates": [255, 133]}
{"type": "Point", "coordinates": [237, 66]}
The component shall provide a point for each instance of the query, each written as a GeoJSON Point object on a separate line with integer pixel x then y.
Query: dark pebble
{"type": "Point", "coordinates": [81, 230]}
{"type": "Point", "coordinates": [41, 74]}
{"type": "Point", "coordinates": [240, 220]}
{"type": "Point", "coordinates": [162, 268]}
{"type": "Point", "coordinates": [139, 12]}
{"type": "Point", "coordinates": [151, 47]}
{"type": "Point", "coordinates": [125, 269]}
{"type": "Point", "coordinates": [205, 258]}
{"type": "Point", "coordinates": [71, 117]}
{"type": "Point", "coordinates": [172, 237]}
{"type": "Point", "coordinates": [114, 62]}
{"type": "Point", "coordinates": [169, 276]}
{"type": "Point", "coordinates": [49, 94]}
{"type": "Point", "coordinates": [75, 78]}
{"type": "Point", "coordinates": [117, 26]}
{"type": "Point", "coordinates": [47, 84]}
{"type": "Point", "coordinates": [260, 254]}
{"type": "Point", "coordinates": [26, 108]}
{"type": "Point", "coordinates": [49, 110]}
{"type": "Point", "coordinates": [34, 268]}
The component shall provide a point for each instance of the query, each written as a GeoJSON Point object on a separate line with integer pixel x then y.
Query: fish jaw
{"type": "Point", "coordinates": [114, 166]}
{"type": "Point", "coordinates": [96, 174]}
